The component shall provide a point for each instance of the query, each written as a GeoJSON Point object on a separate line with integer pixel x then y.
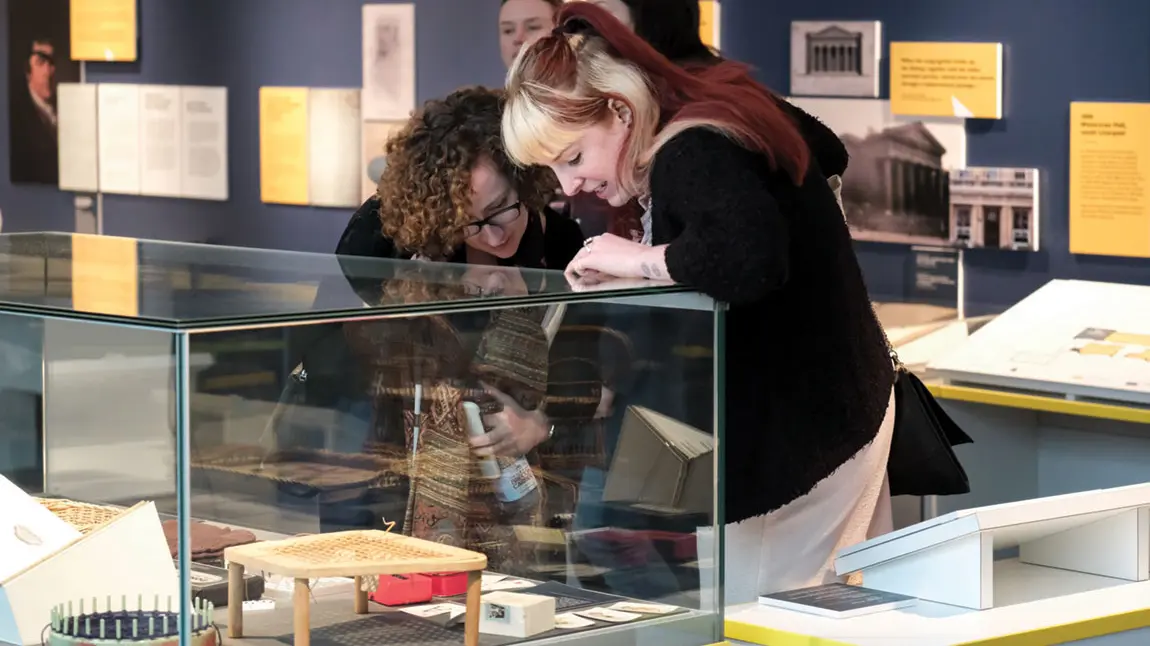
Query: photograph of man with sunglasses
{"type": "Point", "coordinates": [39, 59]}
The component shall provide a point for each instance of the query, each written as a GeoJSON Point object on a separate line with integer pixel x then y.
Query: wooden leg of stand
{"type": "Point", "coordinates": [301, 610]}
{"type": "Point", "coordinates": [236, 592]}
{"type": "Point", "coordinates": [471, 621]}
{"type": "Point", "coordinates": [360, 596]}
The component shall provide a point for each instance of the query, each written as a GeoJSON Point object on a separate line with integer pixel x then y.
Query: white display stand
{"type": "Point", "coordinates": [129, 557]}
{"type": "Point", "coordinates": [1070, 338]}
{"type": "Point", "coordinates": [1075, 542]}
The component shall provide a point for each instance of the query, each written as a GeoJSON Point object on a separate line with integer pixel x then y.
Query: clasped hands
{"type": "Point", "coordinates": [609, 257]}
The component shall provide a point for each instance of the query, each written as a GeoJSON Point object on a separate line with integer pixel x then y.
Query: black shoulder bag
{"type": "Point", "coordinates": [922, 461]}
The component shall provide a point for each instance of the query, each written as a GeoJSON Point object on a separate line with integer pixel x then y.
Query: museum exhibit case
{"type": "Point", "coordinates": [208, 443]}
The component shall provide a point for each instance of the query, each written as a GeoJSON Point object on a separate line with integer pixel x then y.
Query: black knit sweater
{"type": "Point", "coordinates": [807, 375]}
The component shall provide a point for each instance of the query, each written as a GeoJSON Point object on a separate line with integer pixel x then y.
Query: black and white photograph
{"type": "Point", "coordinates": [897, 185]}
{"type": "Point", "coordinates": [496, 612]}
{"type": "Point", "coordinates": [39, 59]}
{"type": "Point", "coordinates": [836, 58]}
{"type": "Point", "coordinates": [388, 61]}
{"type": "Point", "coordinates": [994, 208]}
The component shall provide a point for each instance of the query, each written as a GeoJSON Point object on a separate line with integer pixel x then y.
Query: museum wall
{"type": "Point", "coordinates": [243, 46]}
{"type": "Point", "coordinates": [1056, 51]}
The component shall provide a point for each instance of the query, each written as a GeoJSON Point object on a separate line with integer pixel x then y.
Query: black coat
{"type": "Point", "coordinates": [807, 372]}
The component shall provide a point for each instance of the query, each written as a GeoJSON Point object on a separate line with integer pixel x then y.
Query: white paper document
{"type": "Point", "coordinates": [434, 609]}
{"type": "Point", "coordinates": [119, 138]}
{"type": "Point", "coordinates": [334, 147]}
{"type": "Point", "coordinates": [77, 124]}
{"type": "Point", "coordinates": [204, 143]}
{"type": "Point", "coordinates": [160, 140]}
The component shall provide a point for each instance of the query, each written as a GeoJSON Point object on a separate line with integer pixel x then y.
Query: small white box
{"type": "Point", "coordinates": [515, 614]}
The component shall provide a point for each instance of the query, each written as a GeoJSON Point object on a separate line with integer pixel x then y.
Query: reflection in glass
{"type": "Point", "coordinates": [364, 396]}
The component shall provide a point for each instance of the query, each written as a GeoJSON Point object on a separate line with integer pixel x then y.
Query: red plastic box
{"type": "Point", "coordinates": [402, 589]}
{"type": "Point", "coordinates": [448, 585]}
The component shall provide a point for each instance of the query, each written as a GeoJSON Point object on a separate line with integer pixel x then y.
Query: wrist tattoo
{"type": "Point", "coordinates": [650, 270]}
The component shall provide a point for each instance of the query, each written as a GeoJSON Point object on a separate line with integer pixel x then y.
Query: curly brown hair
{"type": "Point", "coordinates": [425, 191]}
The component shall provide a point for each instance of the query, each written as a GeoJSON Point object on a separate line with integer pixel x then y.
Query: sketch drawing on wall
{"type": "Point", "coordinates": [897, 186]}
{"type": "Point", "coordinates": [838, 58]}
{"type": "Point", "coordinates": [388, 61]}
{"type": "Point", "coordinates": [994, 208]}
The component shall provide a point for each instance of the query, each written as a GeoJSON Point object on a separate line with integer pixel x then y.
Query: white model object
{"type": "Point", "coordinates": [515, 614]}
{"type": "Point", "coordinates": [127, 557]}
{"type": "Point", "coordinates": [1069, 543]}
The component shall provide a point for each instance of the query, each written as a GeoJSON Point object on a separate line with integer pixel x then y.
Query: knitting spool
{"type": "Point", "coordinates": [148, 626]}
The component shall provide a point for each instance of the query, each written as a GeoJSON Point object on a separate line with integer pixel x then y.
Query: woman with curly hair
{"type": "Point", "coordinates": [449, 192]}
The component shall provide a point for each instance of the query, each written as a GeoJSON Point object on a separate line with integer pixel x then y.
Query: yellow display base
{"type": "Point", "coordinates": [1040, 403]}
{"type": "Point", "coordinates": [1088, 629]}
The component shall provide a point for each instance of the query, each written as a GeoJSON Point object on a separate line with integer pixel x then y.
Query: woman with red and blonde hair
{"type": "Point", "coordinates": [738, 208]}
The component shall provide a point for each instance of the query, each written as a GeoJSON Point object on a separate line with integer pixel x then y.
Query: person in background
{"type": "Point", "coordinates": [521, 22]}
{"type": "Point", "coordinates": [740, 209]}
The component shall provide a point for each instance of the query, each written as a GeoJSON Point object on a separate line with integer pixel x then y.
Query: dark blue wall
{"type": "Point", "coordinates": [242, 45]}
{"type": "Point", "coordinates": [1057, 51]}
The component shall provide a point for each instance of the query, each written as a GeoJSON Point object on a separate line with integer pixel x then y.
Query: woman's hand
{"type": "Point", "coordinates": [513, 430]}
{"type": "Point", "coordinates": [596, 282]}
{"type": "Point", "coordinates": [614, 256]}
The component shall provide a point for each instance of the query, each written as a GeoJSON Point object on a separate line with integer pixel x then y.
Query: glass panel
{"type": "Point", "coordinates": [604, 492]}
{"type": "Point", "coordinates": [108, 469]}
{"type": "Point", "coordinates": [170, 285]}
{"type": "Point", "coordinates": [21, 402]}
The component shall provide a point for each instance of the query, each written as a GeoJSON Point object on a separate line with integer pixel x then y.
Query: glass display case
{"type": "Point", "coordinates": [205, 441]}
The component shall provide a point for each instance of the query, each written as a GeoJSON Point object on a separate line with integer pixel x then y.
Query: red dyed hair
{"type": "Point", "coordinates": [722, 93]}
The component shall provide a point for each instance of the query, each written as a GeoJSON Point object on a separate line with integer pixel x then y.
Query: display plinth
{"type": "Point", "coordinates": [127, 557]}
{"type": "Point", "coordinates": [1070, 338]}
{"type": "Point", "coordinates": [950, 559]}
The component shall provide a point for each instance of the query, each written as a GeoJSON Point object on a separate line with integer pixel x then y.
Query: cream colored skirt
{"type": "Point", "coordinates": [794, 546]}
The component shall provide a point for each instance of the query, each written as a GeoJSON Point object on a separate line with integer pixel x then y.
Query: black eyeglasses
{"type": "Point", "coordinates": [500, 218]}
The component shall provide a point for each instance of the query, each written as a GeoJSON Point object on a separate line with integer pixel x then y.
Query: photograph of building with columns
{"type": "Point", "coordinates": [896, 188]}
{"type": "Point", "coordinates": [838, 58]}
{"type": "Point", "coordinates": [995, 208]}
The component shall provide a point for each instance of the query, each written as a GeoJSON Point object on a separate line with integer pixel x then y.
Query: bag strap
{"type": "Point", "coordinates": [891, 352]}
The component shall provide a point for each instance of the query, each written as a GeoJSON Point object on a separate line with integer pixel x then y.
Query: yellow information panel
{"type": "Point", "coordinates": [105, 275]}
{"type": "Point", "coordinates": [283, 145]}
{"type": "Point", "coordinates": [946, 80]}
{"type": "Point", "coordinates": [1110, 179]}
{"type": "Point", "coordinates": [103, 30]}
{"type": "Point", "coordinates": [709, 22]}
